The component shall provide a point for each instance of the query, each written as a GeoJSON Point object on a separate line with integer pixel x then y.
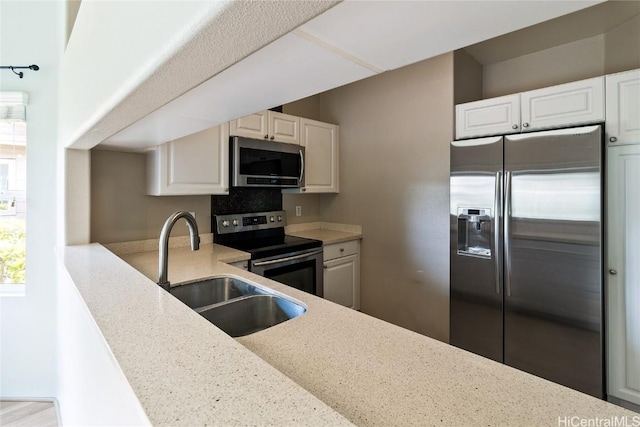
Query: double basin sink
{"type": "Point", "coordinates": [237, 307]}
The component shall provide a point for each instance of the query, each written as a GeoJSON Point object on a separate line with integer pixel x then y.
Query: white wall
{"type": "Point", "coordinates": [92, 388]}
{"type": "Point", "coordinates": [33, 33]}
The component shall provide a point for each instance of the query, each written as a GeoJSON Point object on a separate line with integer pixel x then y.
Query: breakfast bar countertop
{"type": "Point", "coordinates": [329, 363]}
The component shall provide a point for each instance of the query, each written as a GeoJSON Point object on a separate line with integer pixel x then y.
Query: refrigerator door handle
{"type": "Point", "coordinates": [497, 205]}
{"type": "Point", "coordinates": [507, 234]}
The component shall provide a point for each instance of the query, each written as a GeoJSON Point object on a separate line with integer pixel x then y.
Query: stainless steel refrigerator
{"type": "Point", "coordinates": [526, 253]}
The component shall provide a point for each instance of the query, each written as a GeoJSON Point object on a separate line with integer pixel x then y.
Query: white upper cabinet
{"type": "Point", "coordinates": [557, 106]}
{"type": "Point", "coordinates": [623, 107]}
{"type": "Point", "coordinates": [194, 164]}
{"type": "Point", "coordinates": [321, 156]}
{"type": "Point", "coordinates": [269, 125]}
{"type": "Point", "coordinates": [252, 126]}
{"type": "Point", "coordinates": [567, 104]}
{"type": "Point", "coordinates": [495, 116]}
{"type": "Point", "coordinates": [284, 128]}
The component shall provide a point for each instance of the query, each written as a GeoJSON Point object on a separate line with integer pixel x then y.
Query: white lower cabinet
{"type": "Point", "coordinates": [194, 164]}
{"type": "Point", "coordinates": [623, 275]}
{"type": "Point", "coordinates": [342, 273]}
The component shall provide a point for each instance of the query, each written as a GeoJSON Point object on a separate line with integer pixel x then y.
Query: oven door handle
{"type": "Point", "coordinates": [285, 259]}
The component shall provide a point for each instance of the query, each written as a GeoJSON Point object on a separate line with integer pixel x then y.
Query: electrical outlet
{"type": "Point", "coordinates": [298, 210]}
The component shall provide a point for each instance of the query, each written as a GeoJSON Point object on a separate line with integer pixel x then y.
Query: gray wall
{"type": "Point", "coordinates": [467, 78]}
{"type": "Point", "coordinates": [395, 130]}
{"type": "Point", "coordinates": [611, 52]}
{"type": "Point", "coordinates": [120, 209]}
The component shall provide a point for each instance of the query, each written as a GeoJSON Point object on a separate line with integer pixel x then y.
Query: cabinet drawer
{"type": "Point", "coordinates": [337, 250]}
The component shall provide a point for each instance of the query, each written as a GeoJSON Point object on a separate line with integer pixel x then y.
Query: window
{"type": "Point", "coordinates": [13, 180]}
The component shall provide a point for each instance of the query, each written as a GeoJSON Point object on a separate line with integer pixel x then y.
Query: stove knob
{"type": "Point", "coordinates": [235, 222]}
{"type": "Point", "coordinates": [272, 219]}
{"type": "Point", "coordinates": [279, 218]}
{"type": "Point", "coordinates": [225, 223]}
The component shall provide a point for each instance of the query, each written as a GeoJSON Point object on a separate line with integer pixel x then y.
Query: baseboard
{"type": "Point", "coordinates": [628, 405]}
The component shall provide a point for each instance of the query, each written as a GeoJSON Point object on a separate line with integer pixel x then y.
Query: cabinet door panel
{"type": "Point", "coordinates": [284, 128]}
{"type": "Point", "coordinates": [251, 126]}
{"type": "Point", "coordinates": [623, 107]}
{"type": "Point", "coordinates": [194, 164]}
{"type": "Point", "coordinates": [563, 105]}
{"type": "Point", "coordinates": [493, 116]}
{"type": "Point", "coordinates": [189, 161]}
{"type": "Point", "coordinates": [340, 276]}
{"type": "Point", "coordinates": [623, 287]}
{"type": "Point", "coordinates": [321, 155]}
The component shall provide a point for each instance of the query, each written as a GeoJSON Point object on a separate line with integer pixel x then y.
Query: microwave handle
{"type": "Point", "coordinates": [302, 162]}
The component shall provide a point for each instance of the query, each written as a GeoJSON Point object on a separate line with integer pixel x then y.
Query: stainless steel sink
{"type": "Point", "coordinates": [212, 291]}
{"type": "Point", "coordinates": [252, 314]}
{"type": "Point", "coordinates": [237, 307]}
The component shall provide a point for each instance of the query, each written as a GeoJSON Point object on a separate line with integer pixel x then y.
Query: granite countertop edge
{"type": "Point", "coordinates": [337, 361]}
{"type": "Point", "coordinates": [329, 233]}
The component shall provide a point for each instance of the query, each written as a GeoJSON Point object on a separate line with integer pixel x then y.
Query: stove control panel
{"type": "Point", "coordinates": [236, 223]}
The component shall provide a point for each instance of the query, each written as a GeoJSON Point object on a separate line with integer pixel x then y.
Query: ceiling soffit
{"type": "Point", "coordinates": [227, 33]}
{"type": "Point", "coordinates": [356, 39]}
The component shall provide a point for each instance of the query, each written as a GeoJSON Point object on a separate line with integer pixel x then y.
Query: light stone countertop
{"type": "Point", "coordinates": [328, 232]}
{"type": "Point", "coordinates": [184, 370]}
{"type": "Point", "coordinates": [368, 370]}
{"type": "Point", "coordinates": [184, 264]}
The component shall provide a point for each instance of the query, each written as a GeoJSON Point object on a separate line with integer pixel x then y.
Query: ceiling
{"type": "Point", "coordinates": [349, 42]}
{"type": "Point", "coordinates": [585, 23]}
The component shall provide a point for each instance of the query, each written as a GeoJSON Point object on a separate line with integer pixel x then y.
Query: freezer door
{"type": "Point", "coordinates": [552, 265]}
{"type": "Point", "coordinates": [476, 290]}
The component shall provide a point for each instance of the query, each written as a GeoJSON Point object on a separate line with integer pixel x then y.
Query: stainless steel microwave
{"type": "Point", "coordinates": [258, 163]}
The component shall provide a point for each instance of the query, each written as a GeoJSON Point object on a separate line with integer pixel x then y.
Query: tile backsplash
{"type": "Point", "coordinates": [246, 200]}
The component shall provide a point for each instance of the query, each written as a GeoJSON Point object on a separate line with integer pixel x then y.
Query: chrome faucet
{"type": "Point", "coordinates": [164, 243]}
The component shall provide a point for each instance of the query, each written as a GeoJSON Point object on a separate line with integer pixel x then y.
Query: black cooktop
{"type": "Point", "coordinates": [265, 247]}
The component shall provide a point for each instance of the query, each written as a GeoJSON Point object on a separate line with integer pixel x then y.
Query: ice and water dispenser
{"type": "Point", "coordinates": [474, 232]}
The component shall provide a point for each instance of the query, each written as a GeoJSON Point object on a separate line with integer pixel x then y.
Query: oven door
{"type": "Point", "coordinates": [301, 270]}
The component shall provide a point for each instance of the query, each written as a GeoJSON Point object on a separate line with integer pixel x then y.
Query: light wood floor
{"type": "Point", "coordinates": [27, 413]}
